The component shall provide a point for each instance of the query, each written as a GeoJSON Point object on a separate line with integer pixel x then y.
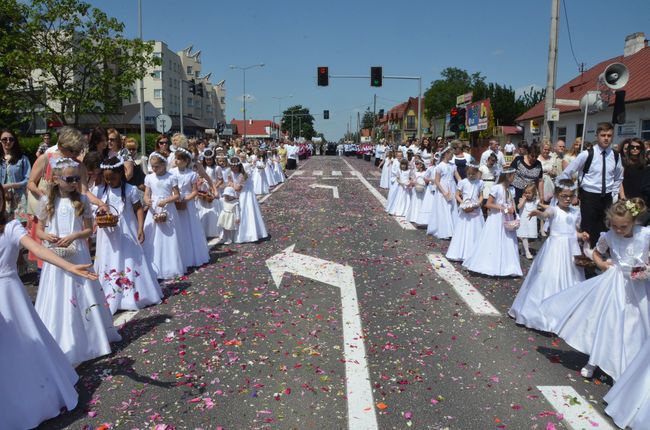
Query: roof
{"type": "Point", "coordinates": [511, 129]}
{"type": "Point", "coordinates": [397, 112]}
{"type": "Point", "coordinates": [254, 128]}
{"type": "Point", "coordinates": [637, 89]}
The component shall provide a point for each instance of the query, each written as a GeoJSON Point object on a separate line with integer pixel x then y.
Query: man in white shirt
{"type": "Point", "coordinates": [600, 173]}
{"type": "Point", "coordinates": [493, 149]}
{"type": "Point", "coordinates": [509, 148]}
{"type": "Point", "coordinates": [292, 156]}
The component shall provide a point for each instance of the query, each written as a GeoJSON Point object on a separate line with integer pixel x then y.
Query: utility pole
{"type": "Point", "coordinates": [182, 82]}
{"type": "Point", "coordinates": [374, 118]}
{"type": "Point", "coordinates": [359, 126]}
{"type": "Point", "coordinates": [143, 147]}
{"type": "Point", "coordinates": [552, 68]}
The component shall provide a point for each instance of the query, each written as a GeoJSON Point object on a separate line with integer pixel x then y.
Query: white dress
{"type": "Point", "coordinates": [230, 215]}
{"type": "Point", "coordinates": [278, 174]}
{"type": "Point", "coordinates": [161, 240]}
{"type": "Point", "coordinates": [384, 181]}
{"type": "Point", "coordinates": [628, 402]}
{"type": "Point", "coordinates": [441, 219]}
{"type": "Point", "coordinates": [258, 177]}
{"type": "Point", "coordinates": [527, 227]}
{"type": "Point", "coordinates": [126, 275]}
{"type": "Point", "coordinates": [417, 197]}
{"type": "Point", "coordinates": [193, 246]}
{"type": "Point", "coordinates": [496, 252]}
{"type": "Point", "coordinates": [468, 226]}
{"type": "Point", "coordinates": [251, 225]}
{"type": "Point", "coordinates": [394, 183]}
{"type": "Point", "coordinates": [270, 178]}
{"type": "Point", "coordinates": [37, 380]}
{"type": "Point", "coordinates": [608, 316]}
{"type": "Point", "coordinates": [74, 308]}
{"type": "Point", "coordinates": [209, 211]}
{"type": "Point", "coordinates": [552, 270]}
{"type": "Point", "coordinates": [426, 207]}
{"type": "Point", "coordinates": [402, 195]}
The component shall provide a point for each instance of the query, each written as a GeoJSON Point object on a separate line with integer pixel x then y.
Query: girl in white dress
{"type": "Point", "coordinates": [469, 218]}
{"type": "Point", "coordinates": [385, 166]}
{"type": "Point", "coordinates": [38, 380]}
{"type": "Point", "coordinates": [553, 269]}
{"type": "Point", "coordinates": [230, 217]}
{"type": "Point", "coordinates": [209, 210]}
{"type": "Point", "coordinates": [258, 176]}
{"type": "Point", "coordinates": [496, 253]}
{"type": "Point", "coordinates": [277, 168]}
{"type": "Point", "coordinates": [608, 316]}
{"type": "Point", "coordinates": [161, 241]}
{"type": "Point", "coordinates": [72, 308]}
{"type": "Point", "coordinates": [393, 180]}
{"type": "Point", "coordinates": [489, 175]}
{"type": "Point", "coordinates": [418, 191]}
{"type": "Point", "coordinates": [441, 220]}
{"type": "Point", "coordinates": [628, 402]}
{"type": "Point", "coordinates": [251, 227]}
{"type": "Point", "coordinates": [527, 224]}
{"type": "Point", "coordinates": [402, 195]}
{"type": "Point", "coordinates": [426, 207]}
{"type": "Point", "coordinates": [270, 178]}
{"type": "Point", "coordinates": [126, 275]}
{"type": "Point", "coordinates": [193, 246]}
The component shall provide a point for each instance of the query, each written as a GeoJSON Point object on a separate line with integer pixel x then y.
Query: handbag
{"type": "Point", "coordinates": [66, 252]}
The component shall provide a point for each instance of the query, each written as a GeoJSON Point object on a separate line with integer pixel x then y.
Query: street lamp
{"type": "Point", "coordinates": [243, 69]}
{"type": "Point", "coordinates": [279, 99]}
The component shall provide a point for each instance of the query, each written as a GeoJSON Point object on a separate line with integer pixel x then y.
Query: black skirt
{"type": "Point", "coordinates": [291, 164]}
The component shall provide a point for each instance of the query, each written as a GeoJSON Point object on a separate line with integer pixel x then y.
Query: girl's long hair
{"type": "Point", "coordinates": [16, 151]}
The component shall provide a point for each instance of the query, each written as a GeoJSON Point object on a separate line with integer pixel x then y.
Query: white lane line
{"type": "Point", "coordinates": [298, 172]}
{"type": "Point", "coordinates": [578, 413]}
{"type": "Point", "coordinates": [318, 173]}
{"type": "Point", "coordinates": [336, 173]}
{"type": "Point", "coordinates": [124, 317]}
{"type": "Point", "coordinates": [375, 174]}
{"type": "Point", "coordinates": [470, 295]}
{"type": "Point", "coordinates": [401, 221]}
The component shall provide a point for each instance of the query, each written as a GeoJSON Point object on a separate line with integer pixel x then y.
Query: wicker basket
{"type": "Point", "coordinates": [107, 219]}
{"type": "Point", "coordinates": [206, 196]}
{"type": "Point", "coordinates": [181, 205]}
{"type": "Point", "coordinates": [63, 251]}
{"type": "Point", "coordinates": [160, 217]}
{"type": "Point", "coordinates": [584, 262]}
{"type": "Point", "coordinates": [419, 188]}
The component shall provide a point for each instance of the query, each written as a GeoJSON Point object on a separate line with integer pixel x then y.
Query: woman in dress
{"type": "Point", "coordinates": [527, 169]}
{"type": "Point", "coordinates": [441, 221]}
{"type": "Point", "coordinates": [549, 171]}
{"type": "Point", "coordinates": [572, 153]}
{"type": "Point", "coordinates": [116, 149]}
{"type": "Point", "coordinates": [251, 225]}
{"type": "Point", "coordinates": [209, 210]}
{"type": "Point", "coordinates": [469, 218]}
{"type": "Point", "coordinates": [460, 159]}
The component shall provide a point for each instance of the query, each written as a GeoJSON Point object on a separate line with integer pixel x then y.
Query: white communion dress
{"type": "Point", "coordinates": [251, 225]}
{"type": "Point", "coordinates": [278, 174]}
{"type": "Point", "coordinates": [552, 270]}
{"type": "Point", "coordinates": [384, 181]}
{"type": "Point", "coordinates": [417, 197]}
{"type": "Point", "coordinates": [608, 316]}
{"type": "Point", "coordinates": [161, 240]}
{"type": "Point", "coordinates": [73, 308]}
{"type": "Point", "coordinates": [126, 275]}
{"type": "Point", "coordinates": [441, 219]}
{"type": "Point", "coordinates": [258, 177]}
{"type": "Point", "coordinates": [528, 226]}
{"type": "Point", "coordinates": [209, 211]}
{"type": "Point", "coordinates": [38, 380]}
{"type": "Point", "coordinates": [426, 207]}
{"type": "Point", "coordinates": [393, 185]}
{"type": "Point", "coordinates": [270, 178]}
{"type": "Point", "coordinates": [468, 226]}
{"type": "Point", "coordinates": [402, 195]}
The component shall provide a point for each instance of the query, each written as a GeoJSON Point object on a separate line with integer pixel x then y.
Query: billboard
{"type": "Point", "coordinates": [477, 115]}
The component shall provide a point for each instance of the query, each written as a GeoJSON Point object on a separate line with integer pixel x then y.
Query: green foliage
{"type": "Point", "coordinates": [86, 64]}
{"type": "Point", "coordinates": [149, 139]}
{"type": "Point", "coordinates": [367, 121]}
{"type": "Point", "coordinates": [302, 123]}
{"type": "Point", "coordinates": [441, 96]}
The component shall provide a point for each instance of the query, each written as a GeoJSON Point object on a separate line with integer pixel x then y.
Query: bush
{"type": "Point", "coordinates": [149, 138]}
{"type": "Point", "coordinates": [30, 144]}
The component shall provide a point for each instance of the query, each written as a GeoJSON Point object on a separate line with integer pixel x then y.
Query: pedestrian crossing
{"type": "Point", "coordinates": [332, 174]}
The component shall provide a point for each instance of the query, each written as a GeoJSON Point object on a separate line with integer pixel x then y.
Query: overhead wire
{"type": "Point", "coordinates": [568, 29]}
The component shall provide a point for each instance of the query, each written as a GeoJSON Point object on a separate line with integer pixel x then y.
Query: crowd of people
{"type": "Point", "coordinates": [590, 281]}
{"type": "Point", "coordinates": [89, 202]}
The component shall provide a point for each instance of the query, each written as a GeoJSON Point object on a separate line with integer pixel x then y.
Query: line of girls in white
{"type": "Point", "coordinates": [607, 317]}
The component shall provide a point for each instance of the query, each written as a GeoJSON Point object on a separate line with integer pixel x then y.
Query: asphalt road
{"type": "Point", "coordinates": [229, 349]}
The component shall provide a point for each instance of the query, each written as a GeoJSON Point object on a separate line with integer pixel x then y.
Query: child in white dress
{"type": "Point", "coordinates": [229, 217]}
{"type": "Point", "coordinates": [277, 168]}
{"type": "Point", "coordinates": [608, 316]}
{"type": "Point", "coordinates": [38, 380]}
{"type": "Point", "coordinates": [258, 176]}
{"type": "Point", "coordinates": [393, 180]}
{"type": "Point", "coordinates": [402, 195]}
{"type": "Point", "coordinates": [161, 241]}
{"type": "Point", "coordinates": [553, 269]}
{"type": "Point", "coordinates": [72, 308]}
{"type": "Point", "coordinates": [426, 207]}
{"type": "Point", "coordinates": [418, 191]}
{"type": "Point", "coordinates": [469, 218]}
{"type": "Point", "coordinates": [209, 203]}
{"type": "Point", "coordinates": [270, 178]}
{"type": "Point", "coordinates": [528, 202]}
{"type": "Point", "coordinates": [126, 275]}
{"type": "Point", "coordinates": [193, 245]}
{"type": "Point", "coordinates": [385, 166]}
{"type": "Point", "coordinates": [496, 253]}
{"type": "Point", "coordinates": [251, 225]}
{"type": "Point", "coordinates": [441, 220]}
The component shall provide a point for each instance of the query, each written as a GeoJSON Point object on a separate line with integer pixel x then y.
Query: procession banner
{"type": "Point", "coordinates": [477, 115]}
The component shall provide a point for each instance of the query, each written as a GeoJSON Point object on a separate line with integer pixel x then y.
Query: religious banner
{"type": "Point", "coordinates": [477, 115]}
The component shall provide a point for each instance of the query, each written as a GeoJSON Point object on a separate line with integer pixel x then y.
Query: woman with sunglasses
{"type": "Point", "coordinates": [14, 173]}
{"type": "Point", "coordinates": [637, 172]}
{"type": "Point", "coordinates": [116, 149]}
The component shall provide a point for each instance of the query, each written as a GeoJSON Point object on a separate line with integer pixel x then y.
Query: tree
{"type": "Point", "coordinates": [299, 122]}
{"type": "Point", "coordinates": [532, 97]}
{"type": "Point", "coordinates": [441, 96]}
{"type": "Point", "coordinates": [78, 60]}
{"type": "Point", "coordinates": [368, 120]}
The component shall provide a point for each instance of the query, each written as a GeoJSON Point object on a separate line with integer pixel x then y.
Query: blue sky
{"type": "Point", "coordinates": [505, 40]}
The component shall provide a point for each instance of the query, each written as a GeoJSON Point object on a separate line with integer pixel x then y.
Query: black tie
{"type": "Point", "coordinates": [603, 189]}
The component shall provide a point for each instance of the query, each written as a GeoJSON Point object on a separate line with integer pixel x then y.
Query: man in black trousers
{"type": "Point", "coordinates": [600, 175]}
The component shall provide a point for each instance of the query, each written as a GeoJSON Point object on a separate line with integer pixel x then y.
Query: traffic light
{"type": "Point", "coordinates": [323, 76]}
{"type": "Point", "coordinates": [192, 86]}
{"type": "Point", "coordinates": [461, 119]}
{"type": "Point", "coordinates": [381, 113]}
{"type": "Point", "coordinates": [199, 90]}
{"type": "Point", "coordinates": [326, 114]}
{"type": "Point", "coordinates": [376, 76]}
{"type": "Point", "coordinates": [453, 120]}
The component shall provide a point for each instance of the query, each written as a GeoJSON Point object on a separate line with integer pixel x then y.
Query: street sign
{"type": "Point", "coordinates": [163, 123]}
{"type": "Point", "coordinates": [478, 115]}
{"type": "Point", "coordinates": [463, 99]}
{"type": "Point", "coordinates": [553, 115]}
{"type": "Point", "coordinates": [534, 126]}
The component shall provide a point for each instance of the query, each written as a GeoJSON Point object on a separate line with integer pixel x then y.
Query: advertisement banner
{"type": "Point", "coordinates": [477, 115]}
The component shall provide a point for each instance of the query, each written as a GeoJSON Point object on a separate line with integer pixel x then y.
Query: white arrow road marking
{"type": "Point", "coordinates": [334, 188]}
{"type": "Point", "coordinates": [336, 173]}
{"type": "Point", "coordinates": [470, 295]}
{"type": "Point", "coordinates": [124, 317]}
{"type": "Point", "coordinates": [361, 409]}
{"type": "Point", "coordinates": [298, 172]}
{"type": "Point", "coordinates": [578, 413]}
{"type": "Point", "coordinates": [318, 173]}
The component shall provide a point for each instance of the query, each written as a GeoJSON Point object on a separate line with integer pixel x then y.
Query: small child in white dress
{"type": "Point", "coordinates": [229, 216]}
{"type": "Point", "coordinates": [469, 218]}
{"type": "Point", "coordinates": [401, 202]}
{"type": "Point", "coordinates": [209, 203]}
{"type": "Point", "coordinates": [441, 219]}
{"type": "Point", "coordinates": [385, 165]}
{"type": "Point", "coordinates": [528, 202]}
{"type": "Point", "coordinates": [72, 308]}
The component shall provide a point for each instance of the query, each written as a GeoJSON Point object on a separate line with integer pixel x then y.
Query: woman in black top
{"type": "Point", "coordinates": [527, 169]}
{"type": "Point", "coordinates": [636, 176]}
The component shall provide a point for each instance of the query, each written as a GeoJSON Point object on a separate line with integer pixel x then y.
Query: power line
{"type": "Point", "coordinates": [568, 29]}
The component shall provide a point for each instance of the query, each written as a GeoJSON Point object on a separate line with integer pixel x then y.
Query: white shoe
{"type": "Point", "coordinates": [588, 371]}
{"type": "Point", "coordinates": [228, 242]}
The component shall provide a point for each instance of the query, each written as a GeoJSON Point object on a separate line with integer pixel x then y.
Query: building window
{"type": "Point", "coordinates": [645, 129]}
{"type": "Point", "coordinates": [157, 94]}
{"type": "Point", "coordinates": [561, 133]}
{"type": "Point", "coordinates": [156, 74]}
{"type": "Point", "coordinates": [410, 122]}
{"type": "Point", "coordinates": [579, 130]}
{"type": "Point", "coordinates": [223, 100]}
{"type": "Point", "coordinates": [208, 108]}
{"type": "Point", "coordinates": [157, 54]}
{"type": "Point", "coordinates": [189, 70]}
{"type": "Point", "coordinates": [190, 101]}
{"type": "Point", "coordinates": [196, 74]}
